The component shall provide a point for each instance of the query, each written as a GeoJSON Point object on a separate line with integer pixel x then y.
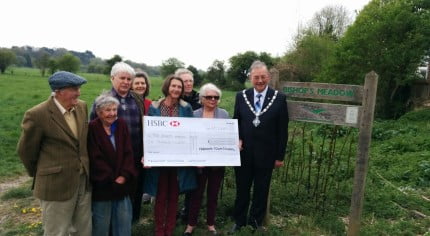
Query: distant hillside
{"type": "Point", "coordinates": [27, 55]}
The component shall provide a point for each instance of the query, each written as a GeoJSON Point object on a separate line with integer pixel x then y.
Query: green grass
{"type": "Point", "coordinates": [397, 186]}
{"type": "Point", "coordinates": [16, 193]}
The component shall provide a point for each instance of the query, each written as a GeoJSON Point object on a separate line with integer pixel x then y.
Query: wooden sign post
{"type": "Point", "coordinates": [359, 115]}
{"type": "Point", "coordinates": [364, 138]}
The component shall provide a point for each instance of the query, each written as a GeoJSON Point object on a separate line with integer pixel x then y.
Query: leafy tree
{"type": "Point", "coordinates": [7, 58]}
{"type": "Point", "coordinates": [24, 55]}
{"type": "Point", "coordinates": [20, 61]}
{"type": "Point", "coordinates": [390, 37]}
{"type": "Point", "coordinates": [309, 55]}
{"type": "Point", "coordinates": [241, 62]}
{"type": "Point", "coordinates": [68, 62]}
{"type": "Point", "coordinates": [42, 62]}
{"type": "Point", "coordinates": [196, 75]}
{"type": "Point", "coordinates": [288, 72]}
{"type": "Point", "coordinates": [59, 52]}
{"type": "Point", "coordinates": [330, 21]}
{"type": "Point", "coordinates": [110, 62]}
{"type": "Point", "coordinates": [151, 70]}
{"type": "Point", "coordinates": [216, 73]}
{"type": "Point", "coordinates": [84, 57]}
{"type": "Point", "coordinates": [170, 65]}
{"type": "Point", "coordinates": [52, 65]}
{"type": "Point", "coordinates": [314, 46]}
{"type": "Point", "coordinates": [96, 65]}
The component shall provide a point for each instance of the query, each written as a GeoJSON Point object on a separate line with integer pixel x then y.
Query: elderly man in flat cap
{"type": "Point", "coordinates": [53, 149]}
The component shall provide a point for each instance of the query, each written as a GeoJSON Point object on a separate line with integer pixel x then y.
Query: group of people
{"type": "Point", "coordinates": [88, 170]}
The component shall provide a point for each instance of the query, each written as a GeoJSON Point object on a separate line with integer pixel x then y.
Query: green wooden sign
{"type": "Point", "coordinates": [337, 92]}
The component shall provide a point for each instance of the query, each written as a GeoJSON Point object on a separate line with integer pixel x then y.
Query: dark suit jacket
{"type": "Point", "coordinates": [266, 143]}
{"type": "Point", "coordinates": [51, 153]}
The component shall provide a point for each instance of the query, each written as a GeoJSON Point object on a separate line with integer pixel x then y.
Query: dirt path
{"type": "Point", "coordinates": [13, 183]}
{"type": "Point", "coordinates": [16, 214]}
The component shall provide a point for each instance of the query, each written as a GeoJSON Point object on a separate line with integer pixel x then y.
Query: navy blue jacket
{"type": "Point", "coordinates": [264, 144]}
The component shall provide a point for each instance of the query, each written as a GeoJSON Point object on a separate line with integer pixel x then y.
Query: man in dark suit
{"type": "Point", "coordinates": [263, 132]}
{"type": "Point", "coordinates": [53, 149]}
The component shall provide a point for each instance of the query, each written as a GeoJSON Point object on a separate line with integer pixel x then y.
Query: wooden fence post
{"type": "Point", "coordinates": [274, 83]}
{"type": "Point", "coordinates": [365, 133]}
{"type": "Point", "coordinates": [428, 72]}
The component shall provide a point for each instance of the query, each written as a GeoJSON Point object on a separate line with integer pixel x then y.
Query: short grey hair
{"type": "Point", "coordinates": [105, 99]}
{"type": "Point", "coordinates": [209, 86]}
{"type": "Point", "coordinates": [122, 67]}
{"type": "Point", "coordinates": [182, 71]}
{"type": "Point", "coordinates": [258, 64]}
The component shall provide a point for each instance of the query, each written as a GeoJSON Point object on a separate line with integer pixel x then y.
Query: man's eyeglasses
{"type": "Point", "coordinates": [211, 97]}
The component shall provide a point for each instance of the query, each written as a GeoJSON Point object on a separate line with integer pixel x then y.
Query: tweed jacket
{"type": "Point", "coordinates": [50, 152]}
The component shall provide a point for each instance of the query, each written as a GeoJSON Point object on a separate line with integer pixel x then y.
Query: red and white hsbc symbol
{"type": "Point", "coordinates": [174, 123]}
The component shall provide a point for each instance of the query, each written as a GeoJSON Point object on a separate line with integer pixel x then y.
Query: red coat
{"type": "Point", "coordinates": [106, 163]}
{"type": "Point", "coordinates": [147, 102]}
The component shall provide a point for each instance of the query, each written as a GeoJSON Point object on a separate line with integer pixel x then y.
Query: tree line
{"type": "Point", "coordinates": [390, 37]}
{"type": "Point", "coordinates": [49, 60]}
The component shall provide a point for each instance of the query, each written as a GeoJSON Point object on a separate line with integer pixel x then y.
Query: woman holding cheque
{"type": "Point", "coordinates": [209, 98]}
{"type": "Point", "coordinates": [167, 182]}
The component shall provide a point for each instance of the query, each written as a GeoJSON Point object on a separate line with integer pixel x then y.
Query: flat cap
{"type": "Point", "coordinates": [63, 79]}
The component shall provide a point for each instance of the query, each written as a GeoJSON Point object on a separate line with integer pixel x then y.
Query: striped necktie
{"type": "Point", "coordinates": [258, 103]}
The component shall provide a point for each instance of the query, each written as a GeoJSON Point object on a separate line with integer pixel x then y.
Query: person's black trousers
{"type": "Point", "coordinates": [136, 200]}
{"type": "Point", "coordinates": [246, 176]}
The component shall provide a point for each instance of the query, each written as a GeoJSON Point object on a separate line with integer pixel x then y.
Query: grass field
{"type": "Point", "coordinates": [310, 196]}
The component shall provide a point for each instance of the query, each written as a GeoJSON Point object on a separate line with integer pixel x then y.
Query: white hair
{"type": "Point", "coordinates": [257, 64]}
{"type": "Point", "coordinates": [122, 67]}
{"type": "Point", "coordinates": [105, 99]}
{"type": "Point", "coordinates": [182, 71]}
{"type": "Point", "coordinates": [209, 87]}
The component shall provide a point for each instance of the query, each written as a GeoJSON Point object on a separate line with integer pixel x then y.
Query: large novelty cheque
{"type": "Point", "coordinates": [178, 141]}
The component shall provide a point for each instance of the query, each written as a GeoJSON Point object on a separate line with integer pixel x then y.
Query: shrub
{"type": "Point", "coordinates": [423, 170]}
{"type": "Point", "coordinates": [419, 115]}
{"type": "Point", "coordinates": [390, 129]}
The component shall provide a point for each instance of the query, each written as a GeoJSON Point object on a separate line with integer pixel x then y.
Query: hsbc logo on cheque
{"type": "Point", "coordinates": [174, 123]}
{"type": "Point", "coordinates": [163, 123]}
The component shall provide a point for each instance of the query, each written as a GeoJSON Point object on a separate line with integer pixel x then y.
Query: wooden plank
{"type": "Point", "coordinates": [335, 92]}
{"type": "Point", "coordinates": [325, 113]}
{"type": "Point", "coordinates": [362, 161]}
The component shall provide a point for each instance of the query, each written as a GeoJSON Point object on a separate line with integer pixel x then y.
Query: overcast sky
{"type": "Point", "coordinates": [195, 31]}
